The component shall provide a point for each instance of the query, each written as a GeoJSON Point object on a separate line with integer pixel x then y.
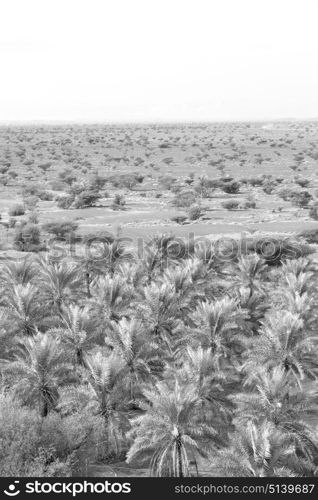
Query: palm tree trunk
{"type": "Point", "coordinates": [106, 424]}
{"type": "Point", "coordinates": [44, 408]}
{"type": "Point", "coordinates": [87, 279]}
{"type": "Point", "coordinates": [179, 456]}
{"type": "Point", "coordinates": [79, 356]}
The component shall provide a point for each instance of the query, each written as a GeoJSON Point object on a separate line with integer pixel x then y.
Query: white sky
{"type": "Point", "coordinates": [148, 60]}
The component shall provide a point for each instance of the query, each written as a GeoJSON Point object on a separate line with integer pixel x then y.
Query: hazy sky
{"type": "Point", "coordinates": [148, 60]}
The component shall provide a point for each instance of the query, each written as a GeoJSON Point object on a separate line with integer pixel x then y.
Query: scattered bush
{"type": "Point", "coordinates": [16, 210]}
{"type": "Point", "coordinates": [232, 187]}
{"type": "Point", "coordinates": [179, 219]}
{"type": "Point", "coordinates": [61, 230]}
{"type": "Point", "coordinates": [302, 182]}
{"type": "Point", "coordinates": [86, 199]}
{"type": "Point", "coordinates": [119, 202]}
{"type": "Point", "coordinates": [310, 235]}
{"type": "Point", "coordinates": [184, 199]}
{"type": "Point", "coordinates": [231, 204]}
{"type": "Point", "coordinates": [248, 204]}
{"type": "Point", "coordinates": [27, 237]}
{"type": "Point", "coordinates": [167, 181]}
{"type": "Point", "coordinates": [313, 211]}
{"type": "Point", "coordinates": [65, 201]}
{"type": "Point", "coordinates": [194, 212]}
{"type": "Point", "coordinates": [301, 198]}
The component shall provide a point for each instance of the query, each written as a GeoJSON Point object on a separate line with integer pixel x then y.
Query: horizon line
{"type": "Point", "coordinates": [149, 122]}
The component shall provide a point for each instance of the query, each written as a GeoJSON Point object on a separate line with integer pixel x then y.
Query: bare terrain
{"type": "Point", "coordinates": [168, 159]}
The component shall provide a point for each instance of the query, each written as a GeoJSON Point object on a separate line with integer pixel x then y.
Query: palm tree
{"type": "Point", "coordinates": [23, 308]}
{"type": "Point", "coordinates": [255, 451]}
{"type": "Point", "coordinates": [297, 266]}
{"type": "Point", "coordinates": [248, 273]}
{"type": "Point", "coordinates": [115, 252]}
{"type": "Point", "coordinates": [206, 253]}
{"type": "Point", "coordinates": [90, 267]}
{"type": "Point", "coordinates": [168, 429]}
{"type": "Point", "coordinates": [256, 306]}
{"type": "Point", "coordinates": [105, 395]}
{"type": "Point", "coordinates": [200, 370]}
{"type": "Point", "coordinates": [40, 368]}
{"type": "Point", "coordinates": [186, 293]}
{"type": "Point", "coordinates": [111, 299]}
{"type": "Point", "coordinates": [156, 255]}
{"type": "Point", "coordinates": [129, 340]}
{"type": "Point", "coordinates": [217, 324]}
{"type": "Point", "coordinates": [60, 283]}
{"type": "Point", "coordinates": [159, 313]}
{"type": "Point", "coordinates": [18, 272]}
{"type": "Point", "coordinates": [274, 397]}
{"type": "Point", "coordinates": [284, 342]}
{"type": "Point", "coordinates": [133, 273]}
{"type": "Point", "coordinates": [78, 331]}
{"type": "Point", "coordinates": [297, 283]}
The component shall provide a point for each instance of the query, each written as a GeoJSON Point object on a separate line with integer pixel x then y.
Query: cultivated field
{"type": "Point", "coordinates": [158, 307]}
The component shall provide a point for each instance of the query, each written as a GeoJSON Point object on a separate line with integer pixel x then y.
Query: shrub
{"type": "Point", "coordinates": [275, 250]}
{"type": "Point", "coordinates": [205, 187]}
{"type": "Point", "coordinates": [231, 204]}
{"type": "Point", "coordinates": [33, 218]}
{"type": "Point", "coordinates": [184, 199]}
{"type": "Point", "coordinates": [86, 199]}
{"type": "Point", "coordinates": [45, 166]}
{"type": "Point", "coordinates": [302, 182]}
{"type": "Point", "coordinates": [167, 181]}
{"type": "Point", "coordinates": [27, 237]}
{"type": "Point", "coordinates": [124, 180]}
{"type": "Point", "coordinates": [67, 176]}
{"type": "Point", "coordinates": [12, 222]}
{"type": "Point", "coordinates": [248, 204]}
{"type": "Point", "coordinates": [16, 210]}
{"type": "Point", "coordinates": [179, 219]}
{"type": "Point", "coordinates": [118, 202]}
{"type": "Point", "coordinates": [65, 201]}
{"type": "Point", "coordinates": [309, 235]}
{"type": "Point", "coordinates": [313, 211]}
{"type": "Point", "coordinates": [38, 191]}
{"type": "Point", "coordinates": [301, 198]}
{"type": "Point", "coordinates": [194, 212]}
{"type": "Point", "coordinates": [61, 230]}
{"type": "Point", "coordinates": [31, 202]}
{"type": "Point", "coordinates": [296, 197]}
{"type": "Point", "coordinates": [58, 186]}
{"type": "Point", "coordinates": [54, 447]}
{"type": "Point", "coordinates": [45, 195]}
{"type": "Point", "coordinates": [269, 186]}
{"type": "Point", "coordinates": [232, 187]}
{"type": "Point", "coordinates": [285, 193]}
{"type": "Point", "coordinates": [96, 182]}
{"type": "Point", "coordinates": [4, 169]}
